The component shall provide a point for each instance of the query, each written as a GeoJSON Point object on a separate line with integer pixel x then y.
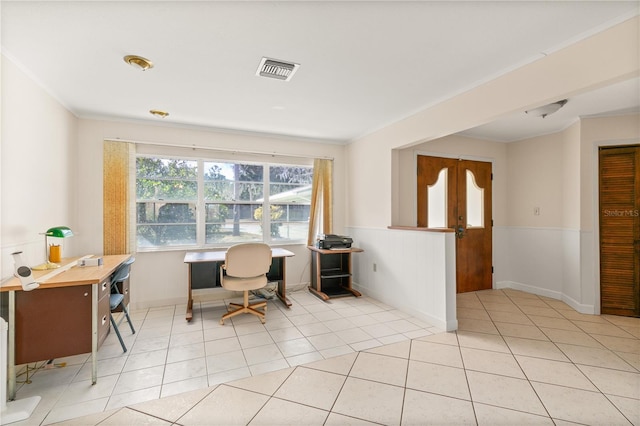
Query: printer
{"type": "Point", "coordinates": [332, 241]}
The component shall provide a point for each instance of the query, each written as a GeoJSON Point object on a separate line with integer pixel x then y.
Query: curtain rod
{"type": "Point", "coordinates": [233, 151]}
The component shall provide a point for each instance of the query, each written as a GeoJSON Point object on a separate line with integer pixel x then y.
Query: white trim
{"type": "Point", "coordinates": [539, 228]}
{"type": "Point", "coordinates": [529, 289]}
{"type": "Point", "coordinates": [582, 308]}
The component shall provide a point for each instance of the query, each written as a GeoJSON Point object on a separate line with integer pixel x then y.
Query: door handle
{"type": "Point", "coordinates": [460, 232]}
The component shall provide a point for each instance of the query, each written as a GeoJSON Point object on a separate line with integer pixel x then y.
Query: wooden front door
{"type": "Point", "coordinates": [457, 194]}
{"type": "Point", "coordinates": [620, 230]}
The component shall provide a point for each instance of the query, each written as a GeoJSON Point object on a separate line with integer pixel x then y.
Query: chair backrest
{"type": "Point", "coordinates": [122, 272]}
{"type": "Point", "coordinates": [248, 260]}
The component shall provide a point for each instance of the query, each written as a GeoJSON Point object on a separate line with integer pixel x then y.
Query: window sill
{"type": "Point", "coordinates": [212, 248]}
{"type": "Point", "coordinates": [418, 228]}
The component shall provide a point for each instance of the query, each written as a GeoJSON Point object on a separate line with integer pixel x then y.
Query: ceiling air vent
{"type": "Point", "coordinates": [279, 70]}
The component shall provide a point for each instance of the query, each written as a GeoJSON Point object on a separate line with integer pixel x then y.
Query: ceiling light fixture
{"type": "Point", "coordinates": [274, 68]}
{"type": "Point", "coordinates": [549, 109]}
{"type": "Point", "coordinates": [138, 62]}
{"type": "Point", "coordinates": [158, 113]}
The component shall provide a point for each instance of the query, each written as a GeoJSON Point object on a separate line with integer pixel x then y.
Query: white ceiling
{"type": "Point", "coordinates": [364, 65]}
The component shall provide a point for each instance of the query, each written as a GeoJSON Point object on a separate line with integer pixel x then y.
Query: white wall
{"type": "Point", "coordinates": [415, 272]}
{"type": "Point", "coordinates": [38, 173]}
{"type": "Point", "coordinates": [556, 254]}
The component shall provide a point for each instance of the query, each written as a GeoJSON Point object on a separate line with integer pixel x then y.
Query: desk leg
{"type": "Point", "coordinates": [282, 284]}
{"type": "Point", "coordinates": [94, 333]}
{"type": "Point", "coordinates": [11, 356]}
{"type": "Point", "coordinates": [319, 293]}
{"type": "Point", "coordinates": [189, 315]}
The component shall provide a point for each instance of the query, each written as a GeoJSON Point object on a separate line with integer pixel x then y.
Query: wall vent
{"type": "Point", "coordinates": [274, 68]}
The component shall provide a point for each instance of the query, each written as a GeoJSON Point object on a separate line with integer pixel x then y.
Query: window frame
{"type": "Point", "coordinates": [201, 203]}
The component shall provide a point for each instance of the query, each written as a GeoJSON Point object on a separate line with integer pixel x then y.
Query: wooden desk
{"type": "Point", "coordinates": [67, 315]}
{"type": "Point", "coordinates": [331, 272]}
{"type": "Point", "coordinates": [204, 272]}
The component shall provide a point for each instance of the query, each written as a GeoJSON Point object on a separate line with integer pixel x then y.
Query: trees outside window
{"type": "Point", "coordinates": [231, 196]}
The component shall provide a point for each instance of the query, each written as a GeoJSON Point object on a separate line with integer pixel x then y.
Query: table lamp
{"type": "Point", "coordinates": [58, 232]}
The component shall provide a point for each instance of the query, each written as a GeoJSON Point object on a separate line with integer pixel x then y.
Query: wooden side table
{"type": "Point", "coordinates": [331, 272]}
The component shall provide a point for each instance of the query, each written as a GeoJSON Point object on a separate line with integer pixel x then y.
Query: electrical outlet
{"type": "Point", "coordinates": [536, 211]}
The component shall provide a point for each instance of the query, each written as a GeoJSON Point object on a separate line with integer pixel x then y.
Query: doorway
{"type": "Point", "coordinates": [456, 194]}
{"type": "Point", "coordinates": [619, 191]}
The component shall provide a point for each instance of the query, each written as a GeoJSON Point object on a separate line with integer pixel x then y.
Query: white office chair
{"type": "Point", "coordinates": [245, 268]}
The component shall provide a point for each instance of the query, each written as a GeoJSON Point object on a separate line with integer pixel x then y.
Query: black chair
{"type": "Point", "coordinates": [117, 299]}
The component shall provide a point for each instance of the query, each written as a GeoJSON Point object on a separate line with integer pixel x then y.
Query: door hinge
{"type": "Point", "coordinates": [492, 269]}
{"type": "Point", "coordinates": [491, 176]}
{"type": "Point", "coordinates": [491, 222]}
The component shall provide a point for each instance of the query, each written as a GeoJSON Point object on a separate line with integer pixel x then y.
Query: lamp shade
{"type": "Point", "coordinates": [59, 232]}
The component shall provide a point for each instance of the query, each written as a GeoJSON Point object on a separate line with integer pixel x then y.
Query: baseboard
{"type": "Point", "coordinates": [529, 289]}
{"type": "Point", "coordinates": [582, 308]}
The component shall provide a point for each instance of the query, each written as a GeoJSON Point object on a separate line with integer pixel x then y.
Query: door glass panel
{"type": "Point", "coordinates": [437, 201]}
{"type": "Point", "coordinates": [475, 203]}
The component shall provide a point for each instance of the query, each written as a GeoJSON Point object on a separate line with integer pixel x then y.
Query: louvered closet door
{"type": "Point", "coordinates": [620, 230]}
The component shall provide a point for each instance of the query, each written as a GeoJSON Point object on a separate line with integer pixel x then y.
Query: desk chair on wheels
{"type": "Point", "coordinates": [117, 299]}
{"type": "Point", "coordinates": [245, 268]}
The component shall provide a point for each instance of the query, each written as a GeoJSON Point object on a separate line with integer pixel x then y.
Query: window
{"type": "Point", "coordinates": [475, 202]}
{"type": "Point", "coordinates": [181, 202]}
{"type": "Point", "coordinates": [437, 201]}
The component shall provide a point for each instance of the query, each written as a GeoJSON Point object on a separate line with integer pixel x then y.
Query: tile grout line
{"type": "Point", "coordinates": [576, 366]}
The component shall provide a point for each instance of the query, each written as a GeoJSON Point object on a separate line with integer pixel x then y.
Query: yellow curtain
{"type": "Point", "coordinates": [321, 215]}
{"type": "Point", "coordinates": [116, 164]}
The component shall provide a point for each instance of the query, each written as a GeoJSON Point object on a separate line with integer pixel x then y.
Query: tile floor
{"type": "Point", "coordinates": [517, 358]}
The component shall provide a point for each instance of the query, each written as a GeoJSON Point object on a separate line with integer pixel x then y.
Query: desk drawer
{"type": "Point", "coordinates": [104, 290]}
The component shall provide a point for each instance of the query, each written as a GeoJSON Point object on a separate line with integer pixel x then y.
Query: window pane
{"type": "Point", "coordinates": [475, 202]}
{"type": "Point", "coordinates": [291, 174]}
{"type": "Point", "coordinates": [233, 171]}
{"type": "Point", "coordinates": [233, 222]}
{"type": "Point", "coordinates": [437, 202]}
{"type": "Point", "coordinates": [221, 212]}
{"type": "Point", "coordinates": [290, 212]}
{"type": "Point", "coordinates": [290, 231]}
{"type": "Point", "coordinates": [249, 191]}
{"type": "Point", "coordinates": [233, 191]}
{"type": "Point", "coordinates": [166, 235]}
{"type": "Point", "coordinates": [290, 184]}
{"type": "Point", "coordinates": [163, 189]}
{"type": "Point", "coordinates": [166, 168]}
{"type": "Point", "coordinates": [162, 224]}
{"type": "Point", "coordinates": [233, 181]}
{"type": "Point", "coordinates": [229, 233]}
{"type": "Point", "coordinates": [166, 179]}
